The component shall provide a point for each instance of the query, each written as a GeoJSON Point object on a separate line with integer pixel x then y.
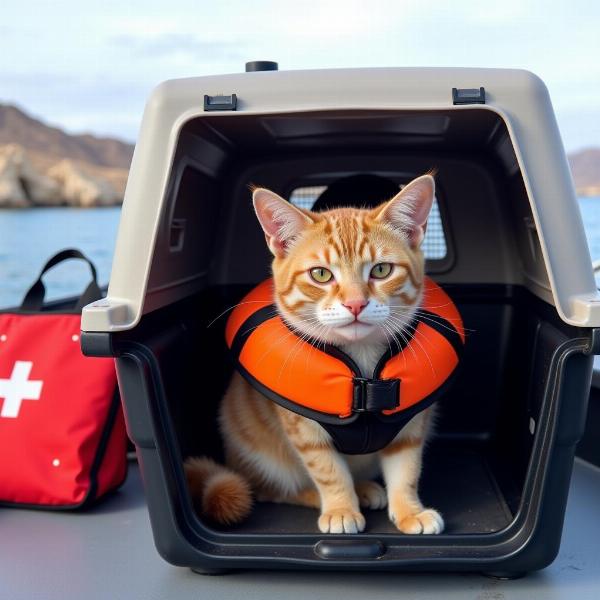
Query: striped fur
{"type": "Point", "coordinates": [285, 457]}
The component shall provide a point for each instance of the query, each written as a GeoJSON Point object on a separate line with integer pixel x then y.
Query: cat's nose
{"type": "Point", "coordinates": [355, 306]}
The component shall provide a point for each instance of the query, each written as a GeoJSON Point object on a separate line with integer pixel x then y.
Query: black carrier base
{"type": "Point", "coordinates": [505, 439]}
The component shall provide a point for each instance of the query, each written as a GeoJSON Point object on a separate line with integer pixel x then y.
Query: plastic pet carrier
{"type": "Point", "coordinates": [505, 240]}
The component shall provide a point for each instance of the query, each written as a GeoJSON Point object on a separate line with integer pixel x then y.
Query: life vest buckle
{"type": "Point", "coordinates": [375, 395]}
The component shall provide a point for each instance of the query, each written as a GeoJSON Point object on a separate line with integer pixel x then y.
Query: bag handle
{"type": "Point", "coordinates": [34, 298]}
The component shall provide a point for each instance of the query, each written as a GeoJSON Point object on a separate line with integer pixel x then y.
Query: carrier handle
{"type": "Point", "coordinates": [34, 298]}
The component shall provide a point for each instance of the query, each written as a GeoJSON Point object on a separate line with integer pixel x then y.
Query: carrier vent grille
{"type": "Point", "coordinates": [434, 245]}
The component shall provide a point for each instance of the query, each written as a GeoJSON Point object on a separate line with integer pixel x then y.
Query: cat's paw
{"type": "Point", "coordinates": [341, 520]}
{"type": "Point", "coordinates": [427, 521]}
{"type": "Point", "coordinates": [371, 495]}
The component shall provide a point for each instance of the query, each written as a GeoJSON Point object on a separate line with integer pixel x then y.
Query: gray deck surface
{"type": "Point", "coordinates": [108, 553]}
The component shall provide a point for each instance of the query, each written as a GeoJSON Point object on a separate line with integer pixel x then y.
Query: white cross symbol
{"type": "Point", "coordinates": [18, 388]}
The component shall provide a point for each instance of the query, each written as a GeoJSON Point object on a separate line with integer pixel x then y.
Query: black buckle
{"type": "Point", "coordinates": [374, 395]}
{"type": "Point", "coordinates": [468, 96]}
{"type": "Point", "coordinates": [220, 102]}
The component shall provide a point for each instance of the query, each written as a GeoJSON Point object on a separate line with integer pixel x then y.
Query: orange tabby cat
{"type": "Point", "coordinates": [352, 278]}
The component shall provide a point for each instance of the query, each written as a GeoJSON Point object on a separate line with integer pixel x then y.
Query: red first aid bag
{"type": "Point", "coordinates": [62, 433]}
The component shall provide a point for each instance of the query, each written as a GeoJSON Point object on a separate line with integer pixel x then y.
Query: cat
{"type": "Point", "coordinates": [353, 278]}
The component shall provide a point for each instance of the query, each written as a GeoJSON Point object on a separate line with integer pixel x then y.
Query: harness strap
{"type": "Point", "coordinates": [444, 328]}
{"type": "Point", "coordinates": [375, 395]}
{"type": "Point", "coordinates": [365, 435]}
{"type": "Point", "coordinates": [249, 325]}
{"type": "Point", "coordinates": [371, 432]}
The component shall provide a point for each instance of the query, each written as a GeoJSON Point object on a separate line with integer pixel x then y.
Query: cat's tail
{"type": "Point", "coordinates": [221, 494]}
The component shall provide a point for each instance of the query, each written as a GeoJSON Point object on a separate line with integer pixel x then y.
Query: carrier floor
{"type": "Point", "coordinates": [457, 481]}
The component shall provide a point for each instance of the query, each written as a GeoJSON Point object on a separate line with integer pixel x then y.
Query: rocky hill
{"type": "Point", "coordinates": [585, 166]}
{"type": "Point", "coordinates": [16, 127]}
{"type": "Point", "coordinates": [43, 165]}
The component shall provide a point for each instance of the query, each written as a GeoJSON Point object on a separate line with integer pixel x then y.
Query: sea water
{"type": "Point", "coordinates": [29, 237]}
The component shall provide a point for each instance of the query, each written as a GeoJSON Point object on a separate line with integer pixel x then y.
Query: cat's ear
{"type": "Point", "coordinates": [281, 221]}
{"type": "Point", "coordinates": [409, 209]}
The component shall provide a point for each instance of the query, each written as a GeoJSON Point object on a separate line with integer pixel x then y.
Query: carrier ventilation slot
{"type": "Point", "coordinates": [534, 240]}
{"type": "Point", "coordinates": [176, 235]}
{"type": "Point", "coordinates": [468, 95]}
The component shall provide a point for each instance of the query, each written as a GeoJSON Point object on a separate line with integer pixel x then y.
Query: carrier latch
{"type": "Point", "coordinates": [220, 102]}
{"type": "Point", "coordinates": [375, 395]}
{"type": "Point", "coordinates": [468, 95]}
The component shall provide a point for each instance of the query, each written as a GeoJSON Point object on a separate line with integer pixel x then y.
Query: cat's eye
{"type": "Point", "coordinates": [321, 275]}
{"type": "Point", "coordinates": [381, 271]}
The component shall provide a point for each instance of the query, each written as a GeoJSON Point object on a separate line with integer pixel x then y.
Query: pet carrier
{"type": "Point", "coordinates": [505, 241]}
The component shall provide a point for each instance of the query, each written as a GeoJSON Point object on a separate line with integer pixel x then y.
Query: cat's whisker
{"type": "Point", "coordinates": [276, 342]}
{"type": "Point", "coordinates": [385, 330]}
{"type": "Point", "coordinates": [425, 293]}
{"type": "Point", "coordinates": [433, 306]}
{"type": "Point", "coordinates": [314, 325]}
{"type": "Point", "coordinates": [401, 342]}
{"type": "Point", "coordinates": [456, 323]}
{"type": "Point", "coordinates": [404, 329]}
{"type": "Point", "coordinates": [317, 338]}
{"type": "Point", "coordinates": [425, 352]}
{"type": "Point", "coordinates": [387, 339]}
{"type": "Point", "coordinates": [320, 341]}
{"type": "Point", "coordinates": [405, 339]}
{"type": "Point", "coordinates": [265, 302]}
{"type": "Point", "coordinates": [425, 317]}
{"type": "Point", "coordinates": [402, 323]}
{"type": "Point", "coordinates": [414, 332]}
{"type": "Point", "coordinates": [247, 331]}
{"type": "Point", "coordinates": [418, 309]}
{"type": "Point", "coordinates": [296, 348]}
{"type": "Point", "coordinates": [297, 344]}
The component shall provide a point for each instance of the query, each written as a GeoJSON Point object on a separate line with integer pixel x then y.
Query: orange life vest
{"type": "Point", "coordinates": [362, 412]}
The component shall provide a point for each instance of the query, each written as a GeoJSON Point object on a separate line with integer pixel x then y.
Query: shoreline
{"type": "Point", "coordinates": [593, 193]}
{"type": "Point", "coordinates": [53, 206]}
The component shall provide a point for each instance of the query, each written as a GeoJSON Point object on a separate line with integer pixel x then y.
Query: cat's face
{"type": "Point", "coordinates": [347, 274]}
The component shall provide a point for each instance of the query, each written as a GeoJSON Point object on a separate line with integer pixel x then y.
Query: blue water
{"type": "Point", "coordinates": [29, 237]}
{"type": "Point", "coordinates": [590, 212]}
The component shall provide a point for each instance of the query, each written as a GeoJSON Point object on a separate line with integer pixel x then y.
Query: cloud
{"type": "Point", "coordinates": [35, 79]}
{"type": "Point", "coordinates": [171, 44]}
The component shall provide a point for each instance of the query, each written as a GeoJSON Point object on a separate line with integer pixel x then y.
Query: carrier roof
{"type": "Point", "coordinates": [422, 100]}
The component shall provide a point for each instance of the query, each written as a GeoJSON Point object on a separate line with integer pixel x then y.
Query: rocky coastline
{"type": "Point", "coordinates": [64, 183]}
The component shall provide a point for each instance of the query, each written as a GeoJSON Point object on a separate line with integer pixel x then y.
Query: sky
{"type": "Point", "coordinates": [89, 67]}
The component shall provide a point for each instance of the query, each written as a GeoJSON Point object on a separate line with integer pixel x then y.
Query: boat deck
{"type": "Point", "coordinates": [108, 552]}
